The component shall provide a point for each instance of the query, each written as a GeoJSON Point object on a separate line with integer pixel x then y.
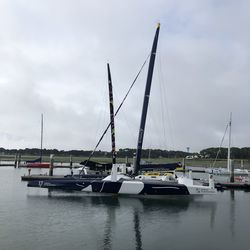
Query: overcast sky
{"type": "Point", "coordinates": [53, 57]}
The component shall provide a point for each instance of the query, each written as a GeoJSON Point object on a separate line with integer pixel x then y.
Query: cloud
{"type": "Point", "coordinates": [53, 57]}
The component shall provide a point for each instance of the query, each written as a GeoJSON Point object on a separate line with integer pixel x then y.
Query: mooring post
{"type": "Point", "coordinates": [134, 162]}
{"type": "Point", "coordinates": [15, 164]}
{"type": "Point", "coordinates": [231, 162]}
{"type": "Point", "coordinates": [70, 161]}
{"type": "Point", "coordinates": [19, 160]}
{"type": "Point", "coordinates": [242, 164]}
{"type": "Point", "coordinates": [190, 174]}
{"type": "Point", "coordinates": [184, 165]}
{"type": "Point", "coordinates": [71, 165]}
{"type": "Point", "coordinates": [126, 160]}
{"type": "Point", "coordinates": [51, 165]}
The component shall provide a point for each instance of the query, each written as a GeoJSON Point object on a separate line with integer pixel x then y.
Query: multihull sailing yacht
{"type": "Point", "coordinates": [121, 183]}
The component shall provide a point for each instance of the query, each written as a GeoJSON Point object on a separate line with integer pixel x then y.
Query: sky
{"type": "Point", "coordinates": [53, 61]}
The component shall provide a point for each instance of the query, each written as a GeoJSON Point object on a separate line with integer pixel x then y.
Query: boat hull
{"type": "Point", "coordinates": [159, 188]}
{"type": "Point", "coordinates": [124, 187]}
{"type": "Point", "coordinates": [35, 165]}
{"type": "Point", "coordinates": [225, 172]}
{"type": "Point", "coordinates": [61, 184]}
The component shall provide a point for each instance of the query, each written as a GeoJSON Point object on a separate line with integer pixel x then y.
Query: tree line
{"type": "Point", "coordinates": [127, 152]}
{"type": "Point", "coordinates": [236, 153]}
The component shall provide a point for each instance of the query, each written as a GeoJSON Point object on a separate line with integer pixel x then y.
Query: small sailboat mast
{"type": "Point", "coordinates": [41, 149]}
{"type": "Point", "coordinates": [145, 102]}
{"type": "Point", "coordinates": [112, 122]}
{"type": "Point", "coordinates": [229, 144]}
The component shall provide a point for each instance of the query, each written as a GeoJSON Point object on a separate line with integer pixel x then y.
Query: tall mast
{"type": "Point", "coordinates": [229, 143]}
{"type": "Point", "coordinates": [112, 122]}
{"type": "Point", "coordinates": [41, 149]}
{"type": "Point", "coordinates": [145, 102]}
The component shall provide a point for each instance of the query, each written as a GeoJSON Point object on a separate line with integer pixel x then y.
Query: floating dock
{"type": "Point", "coordinates": [230, 185]}
{"type": "Point", "coordinates": [233, 185]}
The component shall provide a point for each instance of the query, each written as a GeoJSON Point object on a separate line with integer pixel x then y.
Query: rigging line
{"type": "Point", "coordinates": [220, 146]}
{"type": "Point", "coordinates": [163, 97]}
{"type": "Point", "coordinates": [128, 124]}
{"type": "Point", "coordinates": [169, 132]}
{"type": "Point", "coordinates": [153, 122]}
{"type": "Point", "coordinates": [105, 131]}
{"type": "Point", "coordinates": [160, 76]}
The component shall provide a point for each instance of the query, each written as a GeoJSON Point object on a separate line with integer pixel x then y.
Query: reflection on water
{"type": "Point", "coordinates": [32, 219]}
{"type": "Point", "coordinates": [232, 211]}
{"type": "Point", "coordinates": [137, 229]}
{"type": "Point", "coordinates": [107, 242]}
{"type": "Point", "coordinates": [137, 209]}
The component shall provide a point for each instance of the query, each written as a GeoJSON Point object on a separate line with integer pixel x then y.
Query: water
{"type": "Point", "coordinates": [30, 219]}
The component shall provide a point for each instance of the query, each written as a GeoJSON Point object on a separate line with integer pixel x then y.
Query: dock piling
{"type": "Point", "coordinates": [242, 164]}
{"type": "Point", "coordinates": [184, 165]}
{"type": "Point", "coordinates": [16, 157]}
{"type": "Point", "coordinates": [231, 164]}
{"type": "Point", "coordinates": [19, 160]}
{"type": "Point", "coordinates": [51, 165]}
{"type": "Point", "coordinates": [70, 161]}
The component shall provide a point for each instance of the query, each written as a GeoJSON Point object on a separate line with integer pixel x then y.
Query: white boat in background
{"type": "Point", "coordinates": [227, 171]}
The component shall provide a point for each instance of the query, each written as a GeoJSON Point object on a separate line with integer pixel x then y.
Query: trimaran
{"type": "Point", "coordinates": [120, 182]}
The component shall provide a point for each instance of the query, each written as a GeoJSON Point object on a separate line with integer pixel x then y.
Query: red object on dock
{"type": "Point", "coordinates": [38, 165]}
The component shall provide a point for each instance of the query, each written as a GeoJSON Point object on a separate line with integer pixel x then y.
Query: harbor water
{"type": "Point", "coordinates": [30, 218]}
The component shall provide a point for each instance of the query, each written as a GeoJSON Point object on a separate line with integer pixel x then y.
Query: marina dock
{"type": "Point", "coordinates": [232, 185]}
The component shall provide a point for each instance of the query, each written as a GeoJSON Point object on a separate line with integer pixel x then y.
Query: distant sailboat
{"type": "Point", "coordinates": [226, 171]}
{"type": "Point", "coordinates": [37, 163]}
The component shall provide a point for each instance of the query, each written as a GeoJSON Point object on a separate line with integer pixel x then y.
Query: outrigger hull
{"type": "Point", "coordinates": [61, 184]}
{"type": "Point", "coordinates": [124, 187]}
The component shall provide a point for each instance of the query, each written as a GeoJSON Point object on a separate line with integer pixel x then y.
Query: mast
{"type": "Point", "coordinates": [112, 122]}
{"type": "Point", "coordinates": [41, 149]}
{"type": "Point", "coordinates": [229, 143]}
{"type": "Point", "coordinates": [145, 102]}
